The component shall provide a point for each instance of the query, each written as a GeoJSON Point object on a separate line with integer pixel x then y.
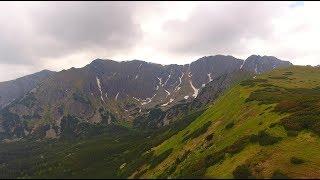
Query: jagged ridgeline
{"type": "Point", "coordinates": [130, 93]}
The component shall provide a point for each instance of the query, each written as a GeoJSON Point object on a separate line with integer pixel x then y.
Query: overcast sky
{"type": "Point", "coordinates": [61, 35]}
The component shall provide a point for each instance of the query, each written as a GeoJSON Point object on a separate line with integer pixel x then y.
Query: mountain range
{"type": "Point", "coordinates": [107, 91]}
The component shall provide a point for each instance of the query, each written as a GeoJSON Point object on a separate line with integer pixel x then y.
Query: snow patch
{"type": "Point", "coordinates": [177, 88]}
{"type": "Point", "coordinates": [209, 76]}
{"type": "Point", "coordinates": [147, 101]}
{"type": "Point", "coordinates": [168, 93]}
{"type": "Point", "coordinates": [136, 98]}
{"type": "Point", "coordinates": [160, 81]}
{"type": "Point", "coordinates": [136, 77]}
{"type": "Point", "coordinates": [242, 64]}
{"type": "Point", "coordinates": [168, 78]}
{"type": "Point", "coordinates": [122, 166]}
{"type": "Point", "coordinates": [186, 97]}
{"type": "Point", "coordinates": [195, 90]}
{"type": "Point", "coordinates": [117, 96]}
{"type": "Point", "coordinates": [170, 101]}
{"type": "Point", "coordinates": [99, 86]}
{"type": "Point", "coordinates": [256, 69]}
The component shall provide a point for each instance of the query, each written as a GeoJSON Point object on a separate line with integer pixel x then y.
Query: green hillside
{"type": "Point", "coordinates": [265, 127]}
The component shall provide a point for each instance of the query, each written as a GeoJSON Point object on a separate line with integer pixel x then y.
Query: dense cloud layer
{"type": "Point", "coordinates": [55, 29]}
{"type": "Point", "coordinates": [221, 27]}
{"type": "Point", "coordinates": [59, 35]}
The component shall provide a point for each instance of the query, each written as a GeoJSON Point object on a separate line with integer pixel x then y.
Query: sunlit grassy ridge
{"type": "Point", "coordinates": [275, 118]}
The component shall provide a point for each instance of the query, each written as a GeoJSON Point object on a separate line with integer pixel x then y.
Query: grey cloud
{"type": "Point", "coordinates": [220, 27]}
{"type": "Point", "coordinates": [53, 29]}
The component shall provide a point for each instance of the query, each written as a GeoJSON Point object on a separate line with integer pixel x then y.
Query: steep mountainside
{"type": "Point", "coordinates": [11, 90]}
{"type": "Point", "coordinates": [265, 127]}
{"type": "Point", "coordinates": [107, 91]}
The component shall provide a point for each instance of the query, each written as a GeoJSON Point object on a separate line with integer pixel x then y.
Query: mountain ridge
{"type": "Point", "coordinates": [107, 91]}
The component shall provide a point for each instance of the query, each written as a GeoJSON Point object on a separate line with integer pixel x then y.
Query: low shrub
{"type": "Point", "coordinates": [211, 160]}
{"type": "Point", "coordinates": [230, 125]}
{"type": "Point", "coordinates": [272, 125]}
{"type": "Point", "coordinates": [279, 175]}
{"type": "Point", "coordinates": [242, 172]}
{"type": "Point", "coordinates": [295, 160]}
{"type": "Point", "coordinates": [158, 159]}
{"type": "Point", "coordinates": [292, 133]}
{"type": "Point", "coordinates": [209, 137]}
{"type": "Point", "coordinates": [238, 146]}
{"type": "Point", "coordinates": [198, 132]}
{"type": "Point", "coordinates": [264, 139]}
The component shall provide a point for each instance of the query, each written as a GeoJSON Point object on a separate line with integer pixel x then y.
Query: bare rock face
{"type": "Point", "coordinates": [107, 91]}
{"type": "Point", "coordinates": [51, 133]}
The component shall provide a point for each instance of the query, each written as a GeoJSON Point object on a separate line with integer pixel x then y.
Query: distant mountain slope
{"type": "Point", "coordinates": [265, 127]}
{"type": "Point", "coordinates": [107, 91]}
{"type": "Point", "coordinates": [260, 64]}
{"type": "Point", "coordinates": [11, 90]}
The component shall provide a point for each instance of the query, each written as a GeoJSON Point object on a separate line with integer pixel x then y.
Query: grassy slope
{"type": "Point", "coordinates": [248, 118]}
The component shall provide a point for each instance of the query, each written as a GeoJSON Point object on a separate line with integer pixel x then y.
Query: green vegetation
{"type": "Point", "coordinates": [211, 160]}
{"type": "Point", "coordinates": [264, 139]}
{"type": "Point", "coordinates": [291, 133]}
{"type": "Point", "coordinates": [295, 160]}
{"type": "Point", "coordinates": [279, 175]}
{"type": "Point", "coordinates": [242, 172]}
{"type": "Point", "coordinates": [149, 120]}
{"type": "Point", "coordinates": [197, 132]}
{"type": "Point", "coordinates": [230, 125]}
{"type": "Point", "coordinates": [158, 159]}
{"type": "Point", "coordinates": [209, 137]}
